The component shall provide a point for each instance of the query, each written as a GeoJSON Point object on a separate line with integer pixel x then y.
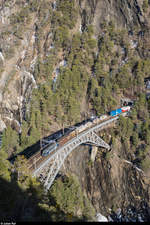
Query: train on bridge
{"type": "Point", "coordinates": [74, 131]}
{"type": "Point", "coordinates": [53, 143]}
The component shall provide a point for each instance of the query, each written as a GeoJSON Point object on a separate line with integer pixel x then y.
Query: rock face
{"type": "Point", "coordinates": [2, 125]}
{"type": "Point", "coordinates": [101, 218]}
{"type": "Point", "coordinates": [19, 49]}
{"type": "Point", "coordinates": [16, 59]}
{"type": "Point", "coordinates": [123, 13]}
{"type": "Point", "coordinates": [106, 184]}
{"type": "Point", "coordinates": [110, 185]}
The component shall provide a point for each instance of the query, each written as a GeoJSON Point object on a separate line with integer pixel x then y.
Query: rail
{"type": "Point", "coordinates": [80, 135]}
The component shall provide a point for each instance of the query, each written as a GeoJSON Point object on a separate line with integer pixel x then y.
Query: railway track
{"type": "Point", "coordinates": [37, 159]}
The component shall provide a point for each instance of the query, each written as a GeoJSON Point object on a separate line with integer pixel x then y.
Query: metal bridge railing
{"type": "Point", "coordinates": [75, 139]}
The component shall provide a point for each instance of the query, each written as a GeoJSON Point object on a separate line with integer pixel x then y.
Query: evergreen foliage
{"type": "Point", "coordinates": [99, 69]}
{"type": "Point", "coordinates": [4, 166]}
{"type": "Point", "coordinates": [67, 196]}
{"type": "Point", "coordinates": [10, 140]}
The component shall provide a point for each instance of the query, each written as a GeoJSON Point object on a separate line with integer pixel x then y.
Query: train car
{"type": "Point", "coordinates": [92, 118]}
{"type": "Point", "coordinates": [72, 134]}
{"type": "Point", "coordinates": [125, 109]}
{"type": "Point", "coordinates": [49, 149]}
{"type": "Point", "coordinates": [66, 137]}
{"type": "Point", "coordinates": [115, 112]}
{"type": "Point", "coordinates": [96, 120]}
{"type": "Point", "coordinates": [83, 127]}
{"type": "Point", "coordinates": [88, 125]}
{"type": "Point", "coordinates": [80, 128]}
{"type": "Point", "coordinates": [103, 117]}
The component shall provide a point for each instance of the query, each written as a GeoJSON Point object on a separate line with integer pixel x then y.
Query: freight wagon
{"type": "Point", "coordinates": [73, 131]}
{"type": "Point", "coordinates": [125, 108]}
{"type": "Point", "coordinates": [115, 112]}
{"type": "Point", "coordinates": [66, 137]}
{"type": "Point", "coordinates": [103, 117]}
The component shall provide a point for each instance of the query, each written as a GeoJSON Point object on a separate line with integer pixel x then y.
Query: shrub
{"type": "Point", "coordinates": [145, 164]}
{"type": "Point", "coordinates": [108, 155]}
{"type": "Point", "coordinates": [10, 53]}
{"type": "Point", "coordinates": [92, 43]}
{"type": "Point", "coordinates": [10, 140]}
{"type": "Point", "coordinates": [67, 195]}
{"type": "Point", "coordinates": [145, 5]}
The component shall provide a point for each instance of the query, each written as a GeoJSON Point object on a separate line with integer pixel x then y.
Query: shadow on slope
{"type": "Point", "coordinates": [31, 150]}
{"type": "Point", "coordinates": [17, 204]}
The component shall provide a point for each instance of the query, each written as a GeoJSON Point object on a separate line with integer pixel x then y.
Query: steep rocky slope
{"type": "Point", "coordinates": [35, 46]}
{"type": "Point", "coordinates": [17, 79]}
{"type": "Point", "coordinates": [20, 48]}
{"type": "Point", "coordinates": [123, 13]}
{"type": "Point", "coordinates": [116, 189]}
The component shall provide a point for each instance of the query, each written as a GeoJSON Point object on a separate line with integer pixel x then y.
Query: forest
{"type": "Point", "coordinates": [99, 71]}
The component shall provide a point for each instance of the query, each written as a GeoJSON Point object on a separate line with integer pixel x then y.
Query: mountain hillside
{"type": "Point", "coordinates": [62, 61]}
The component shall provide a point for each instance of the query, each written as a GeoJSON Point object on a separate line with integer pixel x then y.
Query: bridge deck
{"type": "Point", "coordinates": [40, 161]}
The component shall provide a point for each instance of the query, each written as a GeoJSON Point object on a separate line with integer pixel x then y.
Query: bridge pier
{"type": "Point", "coordinates": [51, 166]}
{"type": "Point", "coordinates": [93, 153]}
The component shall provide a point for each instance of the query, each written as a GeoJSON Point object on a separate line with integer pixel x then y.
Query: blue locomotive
{"type": "Point", "coordinates": [49, 149]}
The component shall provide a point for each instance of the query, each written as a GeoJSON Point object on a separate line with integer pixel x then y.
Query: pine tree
{"type": "Point", "coordinates": [21, 168]}
{"type": "Point", "coordinates": [10, 140]}
{"type": "Point", "coordinates": [4, 166]}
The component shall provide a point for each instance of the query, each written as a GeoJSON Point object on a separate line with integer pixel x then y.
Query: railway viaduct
{"type": "Point", "coordinates": [48, 169]}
